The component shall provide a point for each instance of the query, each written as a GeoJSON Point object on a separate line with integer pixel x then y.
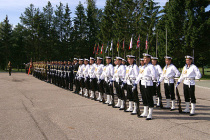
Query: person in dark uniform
{"type": "Point", "coordinates": [70, 75]}
{"type": "Point", "coordinates": [10, 68]}
{"type": "Point", "coordinates": [75, 68]}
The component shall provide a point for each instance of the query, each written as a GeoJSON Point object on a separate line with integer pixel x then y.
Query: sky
{"type": "Point", "coordinates": [14, 8]}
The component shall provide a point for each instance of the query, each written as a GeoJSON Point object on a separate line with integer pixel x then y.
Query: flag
{"type": "Point", "coordinates": [102, 48]}
{"type": "Point", "coordinates": [146, 46]}
{"type": "Point", "coordinates": [94, 49]}
{"type": "Point", "coordinates": [118, 45]}
{"type": "Point", "coordinates": [97, 49]}
{"type": "Point", "coordinates": [123, 44]}
{"type": "Point", "coordinates": [138, 42]}
{"type": "Point", "coordinates": [111, 45]}
{"type": "Point", "coordinates": [131, 42]}
{"type": "Point", "coordinates": [107, 47]}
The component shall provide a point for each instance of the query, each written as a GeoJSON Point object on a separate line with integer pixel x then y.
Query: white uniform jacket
{"type": "Point", "coordinates": [99, 70]}
{"type": "Point", "coordinates": [131, 74]}
{"type": "Point", "coordinates": [119, 73]}
{"type": "Point", "coordinates": [107, 73]}
{"type": "Point", "coordinates": [147, 75]}
{"type": "Point", "coordinates": [169, 73]}
{"type": "Point", "coordinates": [189, 74]}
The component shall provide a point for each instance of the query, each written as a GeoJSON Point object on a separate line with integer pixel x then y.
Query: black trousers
{"type": "Point", "coordinates": [156, 90]}
{"type": "Point", "coordinates": [132, 96]}
{"type": "Point", "coordinates": [147, 96]}
{"type": "Point", "coordinates": [10, 70]}
{"type": "Point", "coordinates": [101, 86]}
{"type": "Point", "coordinates": [189, 93]}
{"type": "Point", "coordinates": [108, 89]}
{"type": "Point", "coordinates": [169, 91]}
{"type": "Point", "coordinates": [87, 84]}
{"type": "Point", "coordinates": [93, 84]}
{"type": "Point", "coordinates": [119, 90]}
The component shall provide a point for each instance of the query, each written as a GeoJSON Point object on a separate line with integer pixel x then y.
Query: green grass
{"type": "Point", "coordinates": [13, 70]}
{"type": "Point", "coordinates": [206, 72]}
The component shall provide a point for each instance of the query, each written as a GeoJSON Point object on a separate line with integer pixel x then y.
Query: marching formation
{"type": "Point", "coordinates": [90, 76]}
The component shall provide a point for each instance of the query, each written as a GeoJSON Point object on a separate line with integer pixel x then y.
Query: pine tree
{"type": "Point", "coordinates": [6, 42]}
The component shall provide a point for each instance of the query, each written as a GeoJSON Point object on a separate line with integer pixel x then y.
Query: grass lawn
{"type": "Point", "coordinates": [13, 70]}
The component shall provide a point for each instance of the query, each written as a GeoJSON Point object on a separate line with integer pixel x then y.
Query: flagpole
{"type": "Point", "coordinates": [103, 54]}
{"type": "Point", "coordinates": [166, 41]}
{"type": "Point", "coordinates": [118, 48]}
{"type": "Point", "coordinates": [156, 43]}
{"type": "Point", "coordinates": [139, 50]}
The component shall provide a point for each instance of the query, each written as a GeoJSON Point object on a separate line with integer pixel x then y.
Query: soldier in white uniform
{"type": "Point", "coordinates": [130, 78]}
{"type": "Point", "coordinates": [92, 76]}
{"type": "Point", "coordinates": [147, 77]}
{"type": "Point", "coordinates": [189, 73]}
{"type": "Point", "coordinates": [141, 70]}
{"type": "Point", "coordinates": [79, 76]}
{"type": "Point", "coordinates": [86, 78]}
{"type": "Point", "coordinates": [156, 89]}
{"type": "Point", "coordinates": [168, 75]}
{"type": "Point", "coordinates": [107, 75]}
{"type": "Point", "coordinates": [98, 71]}
{"type": "Point", "coordinates": [119, 75]}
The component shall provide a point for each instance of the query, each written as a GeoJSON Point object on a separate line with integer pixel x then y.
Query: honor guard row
{"type": "Point", "coordinates": [91, 76]}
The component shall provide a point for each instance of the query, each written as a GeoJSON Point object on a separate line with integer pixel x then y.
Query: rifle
{"type": "Point", "coordinates": [137, 102]}
{"type": "Point", "coordinates": [178, 100]}
{"type": "Point", "coordinates": [112, 93]}
{"type": "Point", "coordinates": [124, 98]}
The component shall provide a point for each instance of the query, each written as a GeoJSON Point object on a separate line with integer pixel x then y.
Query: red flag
{"type": "Point", "coordinates": [131, 43]}
{"type": "Point", "coordinates": [146, 47]}
{"type": "Point", "coordinates": [138, 42]}
{"type": "Point", "coordinates": [118, 45]}
{"type": "Point", "coordinates": [123, 44]}
{"type": "Point", "coordinates": [102, 48]}
{"type": "Point", "coordinates": [97, 49]}
{"type": "Point", "coordinates": [94, 49]}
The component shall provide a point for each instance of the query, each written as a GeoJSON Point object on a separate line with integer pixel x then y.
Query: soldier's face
{"type": "Point", "coordinates": [154, 62]}
{"type": "Point", "coordinates": [146, 60]}
{"type": "Point", "coordinates": [142, 62]}
{"type": "Point", "coordinates": [168, 61]}
{"type": "Point", "coordinates": [80, 62]}
{"type": "Point", "coordinates": [85, 62]}
{"type": "Point", "coordinates": [119, 62]}
{"type": "Point", "coordinates": [116, 62]}
{"type": "Point", "coordinates": [123, 62]}
{"type": "Point", "coordinates": [188, 61]}
{"type": "Point", "coordinates": [130, 60]}
{"type": "Point", "coordinates": [108, 61]}
{"type": "Point", "coordinates": [98, 61]}
{"type": "Point", "coordinates": [91, 61]}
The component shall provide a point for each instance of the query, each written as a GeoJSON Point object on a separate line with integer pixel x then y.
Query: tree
{"type": "Point", "coordinates": [6, 42]}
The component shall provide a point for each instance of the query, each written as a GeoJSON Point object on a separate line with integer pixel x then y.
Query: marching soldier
{"type": "Point", "coordinates": [98, 71]}
{"type": "Point", "coordinates": [92, 76]}
{"type": "Point", "coordinates": [130, 78]}
{"type": "Point", "coordinates": [119, 75]}
{"type": "Point", "coordinates": [141, 70]}
{"type": "Point", "coordinates": [168, 75]}
{"type": "Point", "coordinates": [86, 83]}
{"type": "Point", "coordinates": [75, 67]}
{"type": "Point", "coordinates": [70, 75]}
{"type": "Point", "coordinates": [189, 73]}
{"type": "Point", "coordinates": [107, 75]}
{"type": "Point", "coordinates": [10, 68]}
{"type": "Point", "coordinates": [147, 77]}
{"type": "Point", "coordinates": [79, 76]}
{"type": "Point", "coordinates": [156, 89]}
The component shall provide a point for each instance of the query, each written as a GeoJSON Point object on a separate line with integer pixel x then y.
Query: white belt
{"type": "Point", "coordinates": [166, 78]}
{"type": "Point", "coordinates": [189, 79]}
